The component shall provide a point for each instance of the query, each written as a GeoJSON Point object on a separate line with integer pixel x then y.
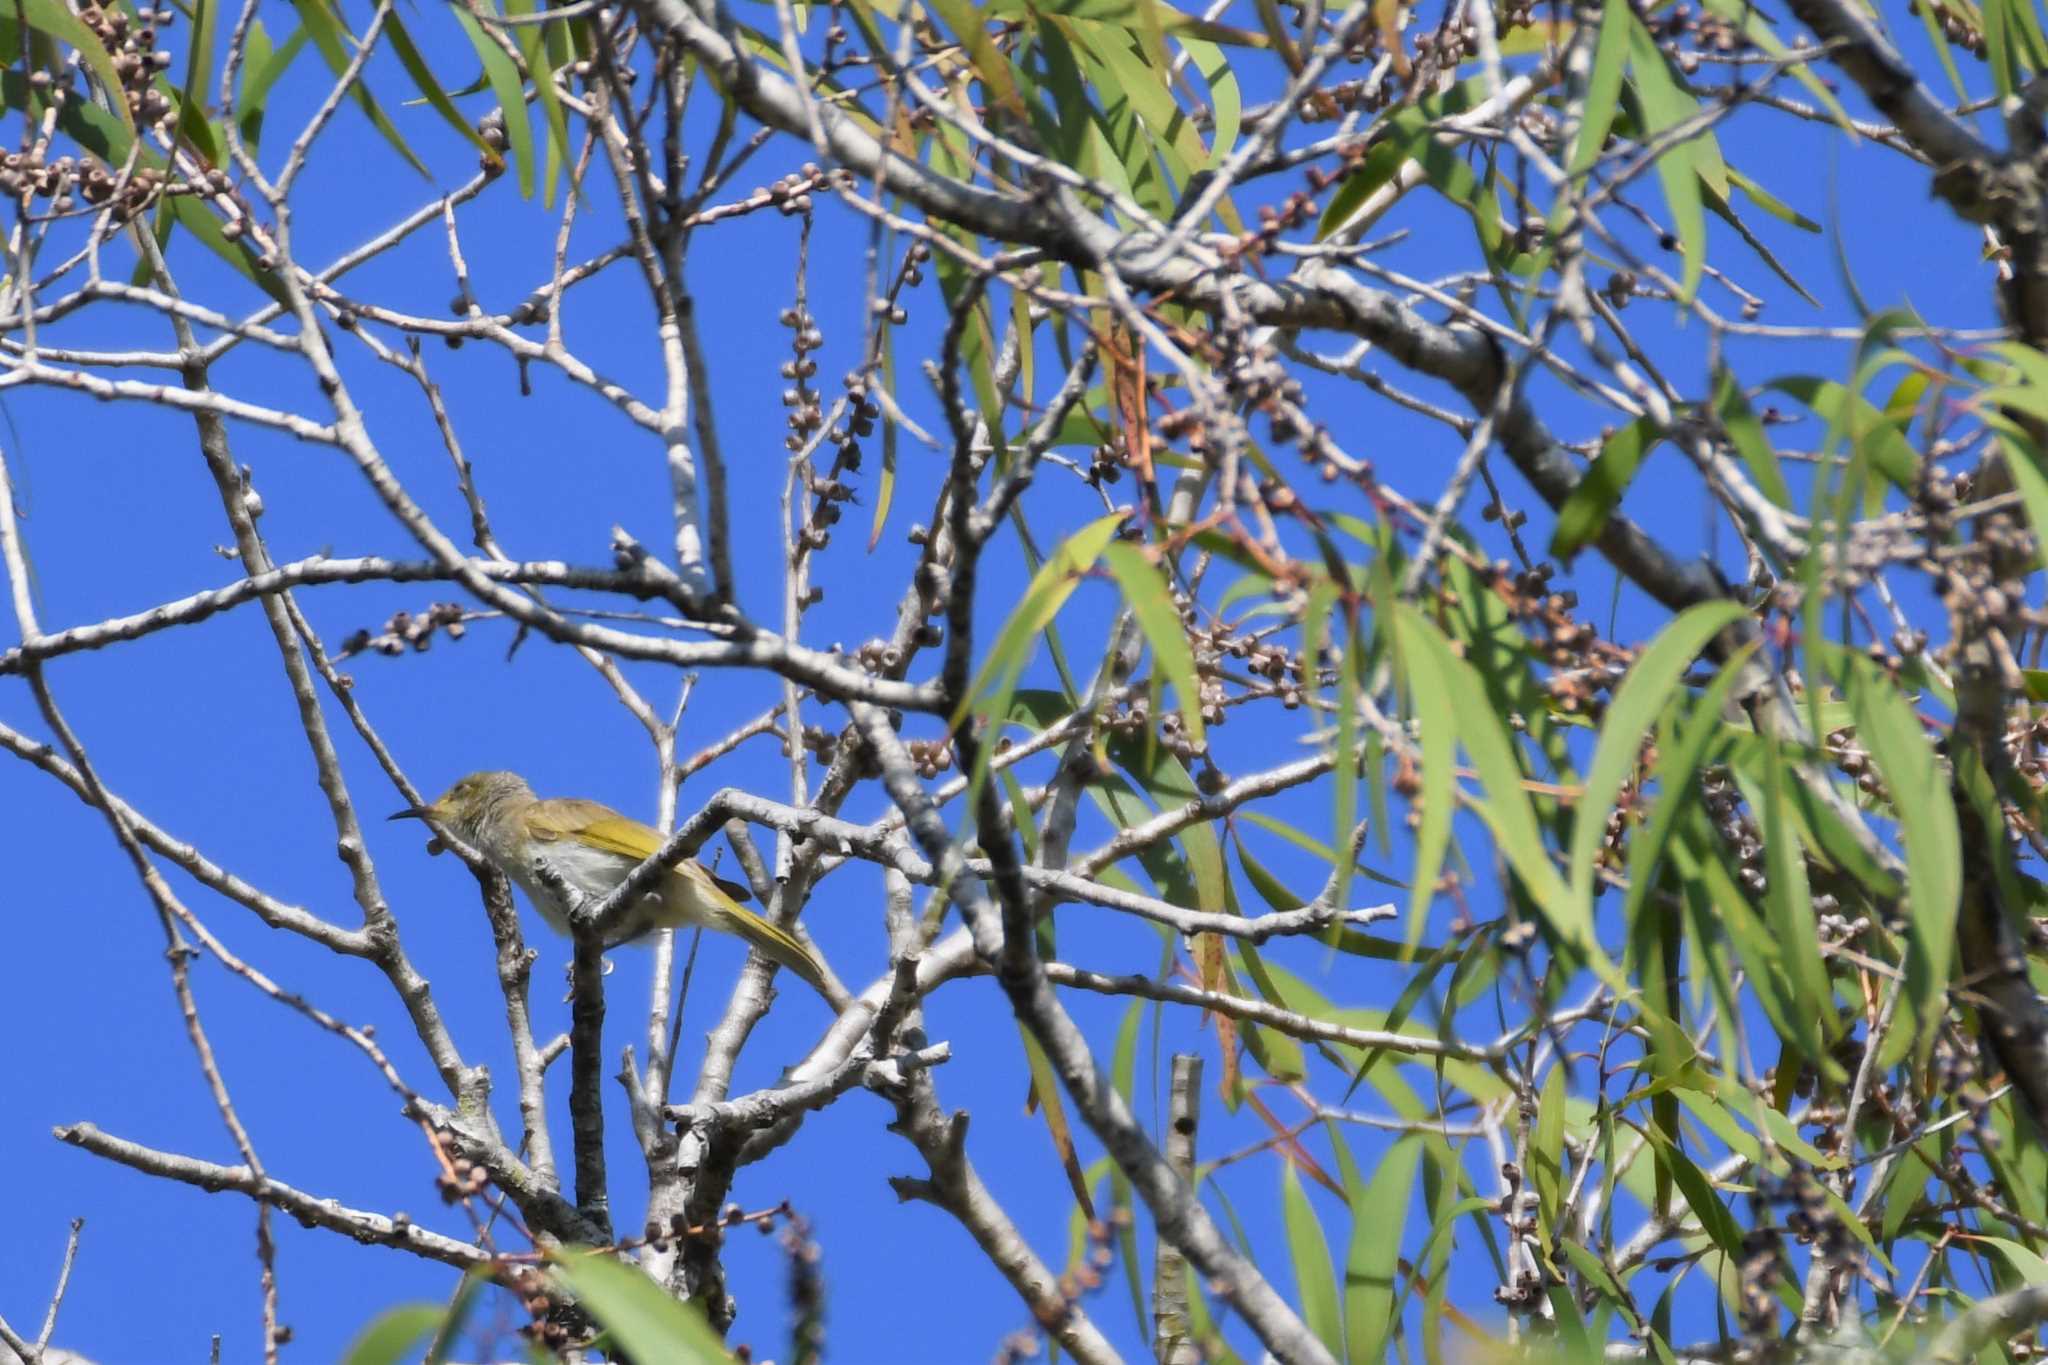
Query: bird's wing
{"type": "Point", "coordinates": [593, 823]}
{"type": "Point", "coordinates": [596, 824]}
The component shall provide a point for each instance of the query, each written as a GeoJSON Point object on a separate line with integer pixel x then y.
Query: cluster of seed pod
{"type": "Point", "coordinates": [1627, 812]}
{"type": "Point", "coordinates": [929, 756]}
{"type": "Point", "coordinates": [1449, 46]}
{"type": "Point", "coordinates": [878, 656]}
{"type": "Point", "coordinates": [2026, 740]}
{"type": "Point", "coordinates": [1583, 664]}
{"type": "Point", "coordinates": [1296, 211]}
{"type": "Point", "coordinates": [1853, 762]}
{"type": "Point", "coordinates": [1718, 34]}
{"type": "Point", "coordinates": [491, 129]}
{"type": "Point", "coordinates": [1724, 808]}
{"type": "Point", "coordinates": [1107, 462]}
{"type": "Point", "coordinates": [460, 1179]}
{"type": "Point", "coordinates": [63, 180]}
{"type": "Point", "coordinates": [1365, 44]}
{"type": "Point", "coordinates": [806, 1293]}
{"type": "Point", "coordinates": [805, 414]}
{"type": "Point", "coordinates": [863, 410]}
{"type": "Point", "coordinates": [1086, 1275]}
{"type": "Point", "coordinates": [792, 193]}
{"type": "Point", "coordinates": [1760, 1268]}
{"type": "Point", "coordinates": [1333, 102]}
{"type": "Point", "coordinates": [1831, 926]}
{"type": "Point", "coordinates": [1177, 739]}
{"type": "Point", "coordinates": [28, 173]}
{"type": "Point", "coordinates": [1957, 27]}
{"type": "Point", "coordinates": [549, 1327]}
{"type": "Point", "coordinates": [1518, 1212]}
{"type": "Point", "coordinates": [405, 631]}
{"type": "Point", "coordinates": [99, 186]}
{"type": "Point", "coordinates": [131, 42]}
{"type": "Point", "coordinates": [1955, 1070]}
{"type": "Point", "coordinates": [820, 743]}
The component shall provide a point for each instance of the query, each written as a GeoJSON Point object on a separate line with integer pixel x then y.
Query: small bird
{"type": "Point", "coordinates": [591, 847]}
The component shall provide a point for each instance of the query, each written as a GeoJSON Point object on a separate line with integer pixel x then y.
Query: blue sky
{"type": "Point", "coordinates": [195, 728]}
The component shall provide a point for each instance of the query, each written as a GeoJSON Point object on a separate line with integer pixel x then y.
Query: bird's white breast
{"type": "Point", "coordinates": [592, 872]}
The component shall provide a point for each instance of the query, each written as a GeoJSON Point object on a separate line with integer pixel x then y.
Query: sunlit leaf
{"type": "Point", "coordinates": [1666, 106]}
{"type": "Point", "coordinates": [1045, 1090]}
{"type": "Point", "coordinates": [1146, 593]}
{"type": "Point", "coordinates": [636, 1313]}
{"type": "Point", "coordinates": [1598, 491]}
{"type": "Point", "coordinates": [510, 91]}
{"type": "Point", "coordinates": [1310, 1251]}
{"type": "Point", "coordinates": [392, 1335]}
{"type": "Point", "coordinates": [1642, 696]}
{"type": "Point", "coordinates": [1049, 590]}
{"type": "Point", "coordinates": [1378, 1219]}
{"type": "Point", "coordinates": [330, 33]}
{"type": "Point", "coordinates": [1505, 806]}
{"type": "Point", "coordinates": [1887, 727]}
{"type": "Point", "coordinates": [1603, 88]}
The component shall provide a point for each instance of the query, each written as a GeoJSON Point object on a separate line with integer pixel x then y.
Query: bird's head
{"type": "Point", "coordinates": [472, 802]}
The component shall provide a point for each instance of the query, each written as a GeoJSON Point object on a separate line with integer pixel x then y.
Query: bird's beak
{"type": "Point", "coordinates": [412, 813]}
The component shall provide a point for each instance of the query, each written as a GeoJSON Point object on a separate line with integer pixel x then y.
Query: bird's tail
{"type": "Point", "coordinates": [777, 944]}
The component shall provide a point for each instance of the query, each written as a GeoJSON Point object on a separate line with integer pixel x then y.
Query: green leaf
{"type": "Point", "coordinates": [1718, 202]}
{"type": "Point", "coordinates": [1746, 434]}
{"type": "Point", "coordinates": [1123, 1070]}
{"type": "Point", "coordinates": [260, 71]}
{"type": "Point", "coordinates": [1698, 1192]}
{"type": "Point", "coordinates": [1439, 789]}
{"type": "Point", "coordinates": [509, 90]}
{"type": "Point", "coordinates": [1045, 1089]}
{"type": "Point", "coordinates": [971, 27]}
{"type": "Point", "coordinates": [2023, 458]}
{"type": "Point", "coordinates": [332, 37]}
{"type": "Point", "coordinates": [1385, 158]}
{"type": "Point", "coordinates": [1278, 1055]}
{"type": "Point", "coordinates": [532, 43]}
{"type": "Point", "coordinates": [408, 54]}
{"type": "Point", "coordinates": [1788, 901]}
{"type": "Point", "coordinates": [198, 64]}
{"type": "Point", "coordinates": [1226, 100]}
{"type": "Point", "coordinates": [2026, 1264]}
{"type": "Point", "coordinates": [1770, 203]}
{"type": "Point", "coordinates": [1593, 499]}
{"type": "Point", "coordinates": [1745, 16]}
{"type": "Point", "coordinates": [1998, 49]}
{"type": "Point", "coordinates": [53, 20]}
{"type": "Point", "coordinates": [1409, 137]}
{"type": "Point", "coordinates": [640, 1318]}
{"type": "Point", "coordinates": [1546, 1148]}
{"type": "Point", "coordinates": [391, 1336]}
{"type": "Point", "coordinates": [1876, 437]}
{"type": "Point", "coordinates": [1505, 808]}
{"type": "Point", "coordinates": [1603, 88]}
{"type": "Point", "coordinates": [1201, 873]}
{"type": "Point", "coordinates": [1146, 593]}
{"type": "Point", "coordinates": [1643, 695]}
{"type": "Point", "coordinates": [1665, 106]}
{"type": "Point", "coordinates": [1313, 1278]}
{"type": "Point", "coordinates": [1378, 1218]}
{"type": "Point", "coordinates": [1926, 811]}
{"type": "Point", "coordinates": [1050, 588]}
{"type": "Point", "coordinates": [885, 489]}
